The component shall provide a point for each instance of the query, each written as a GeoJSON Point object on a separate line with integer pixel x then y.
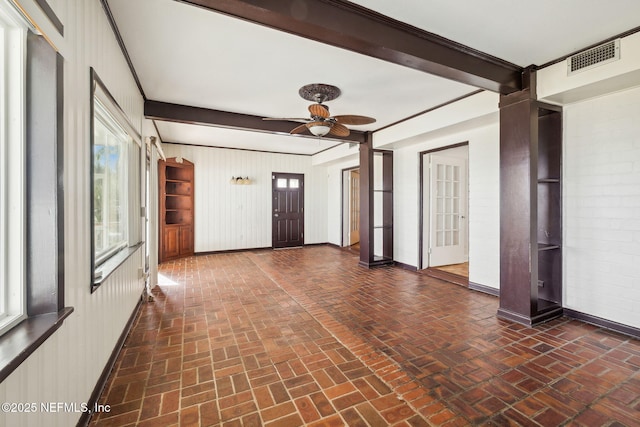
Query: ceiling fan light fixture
{"type": "Point", "coordinates": [319, 129]}
{"type": "Point", "coordinates": [321, 122]}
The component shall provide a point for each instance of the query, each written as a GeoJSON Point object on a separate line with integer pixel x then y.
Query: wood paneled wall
{"type": "Point", "coordinates": [67, 366]}
{"type": "Point", "coordinates": [229, 217]}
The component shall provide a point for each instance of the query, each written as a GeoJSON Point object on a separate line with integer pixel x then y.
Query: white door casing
{"type": "Point", "coordinates": [447, 211]}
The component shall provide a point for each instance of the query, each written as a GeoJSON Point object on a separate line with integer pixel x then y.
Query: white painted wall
{"type": "Point", "coordinates": [556, 86]}
{"type": "Point", "coordinates": [484, 201]}
{"type": "Point", "coordinates": [602, 207]}
{"type": "Point", "coordinates": [67, 366]}
{"type": "Point", "coordinates": [458, 153]}
{"type": "Point", "coordinates": [231, 217]}
{"type": "Point", "coordinates": [473, 119]}
{"type": "Point", "coordinates": [470, 110]}
{"type": "Point", "coordinates": [334, 196]}
{"type": "Point", "coordinates": [484, 207]}
{"type": "Point", "coordinates": [338, 154]}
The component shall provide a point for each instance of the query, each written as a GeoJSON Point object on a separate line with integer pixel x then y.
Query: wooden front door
{"type": "Point", "coordinates": [287, 210]}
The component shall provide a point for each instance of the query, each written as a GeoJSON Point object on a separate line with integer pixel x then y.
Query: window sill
{"type": "Point", "coordinates": [23, 339]}
{"type": "Point", "coordinates": [112, 264]}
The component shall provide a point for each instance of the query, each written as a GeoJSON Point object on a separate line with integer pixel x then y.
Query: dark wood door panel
{"type": "Point", "coordinates": [294, 203]}
{"type": "Point", "coordinates": [295, 232]}
{"type": "Point", "coordinates": [171, 242]}
{"type": "Point", "coordinates": [186, 241]}
{"type": "Point", "coordinates": [280, 202]}
{"type": "Point", "coordinates": [280, 231]}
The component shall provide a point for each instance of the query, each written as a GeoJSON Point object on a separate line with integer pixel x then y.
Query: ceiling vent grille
{"type": "Point", "coordinates": [594, 57]}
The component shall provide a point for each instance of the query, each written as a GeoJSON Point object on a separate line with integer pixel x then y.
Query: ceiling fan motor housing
{"type": "Point", "coordinates": [319, 92]}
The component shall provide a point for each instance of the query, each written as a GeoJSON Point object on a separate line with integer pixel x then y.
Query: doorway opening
{"type": "Point", "coordinates": [444, 231]}
{"type": "Point", "coordinates": [351, 208]}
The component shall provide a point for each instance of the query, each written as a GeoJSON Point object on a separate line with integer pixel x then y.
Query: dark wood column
{"type": "Point", "coordinates": [518, 131]}
{"type": "Point", "coordinates": [366, 201]}
{"type": "Point", "coordinates": [530, 132]}
{"type": "Point", "coordinates": [376, 205]}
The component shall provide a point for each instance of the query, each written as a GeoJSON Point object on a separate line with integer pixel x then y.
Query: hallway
{"type": "Point", "coordinates": [307, 337]}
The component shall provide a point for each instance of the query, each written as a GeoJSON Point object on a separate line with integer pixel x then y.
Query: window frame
{"type": "Point", "coordinates": [102, 115]}
{"type": "Point", "coordinates": [41, 199]}
{"type": "Point", "coordinates": [103, 266]}
{"type": "Point", "coordinates": [13, 44]}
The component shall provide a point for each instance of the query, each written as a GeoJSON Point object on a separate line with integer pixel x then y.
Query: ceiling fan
{"type": "Point", "coordinates": [320, 122]}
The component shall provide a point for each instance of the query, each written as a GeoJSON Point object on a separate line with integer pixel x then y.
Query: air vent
{"type": "Point", "coordinates": [594, 57]}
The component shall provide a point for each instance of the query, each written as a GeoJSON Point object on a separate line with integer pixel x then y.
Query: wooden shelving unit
{"type": "Point", "coordinates": [376, 205]}
{"type": "Point", "coordinates": [531, 212]}
{"type": "Point", "coordinates": [176, 180]}
{"type": "Point", "coordinates": [548, 196]}
{"type": "Point", "coordinates": [383, 207]}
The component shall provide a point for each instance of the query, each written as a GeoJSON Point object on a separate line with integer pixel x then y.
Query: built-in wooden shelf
{"type": "Point", "coordinates": [376, 206]}
{"type": "Point", "coordinates": [176, 208]}
{"type": "Point", "coordinates": [547, 247]}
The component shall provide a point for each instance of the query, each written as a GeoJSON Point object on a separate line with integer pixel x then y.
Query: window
{"type": "Point", "coordinates": [288, 183]}
{"type": "Point", "coordinates": [32, 274]}
{"type": "Point", "coordinates": [12, 182]}
{"type": "Point", "coordinates": [116, 172]}
{"type": "Point", "coordinates": [110, 143]}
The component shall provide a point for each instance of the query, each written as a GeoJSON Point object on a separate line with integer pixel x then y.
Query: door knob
{"type": "Point", "coordinates": [276, 215]}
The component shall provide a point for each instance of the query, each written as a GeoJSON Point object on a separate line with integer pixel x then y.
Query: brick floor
{"type": "Point", "coordinates": [307, 337]}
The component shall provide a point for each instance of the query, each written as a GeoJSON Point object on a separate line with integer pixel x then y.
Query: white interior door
{"type": "Point", "coordinates": [354, 207]}
{"type": "Point", "coordinates": [448, 203]}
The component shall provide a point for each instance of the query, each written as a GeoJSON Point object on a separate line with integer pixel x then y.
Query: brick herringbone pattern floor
{"type": "Point", "coordinates": [307, 337]}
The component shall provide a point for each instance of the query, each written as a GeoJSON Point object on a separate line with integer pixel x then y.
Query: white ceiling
{"type": "Point", "coordinates": [518, 31]}
{"type": "Point", "coordinates": [187, 55]}
{"type": "Point", "coordinates": [241, 139]}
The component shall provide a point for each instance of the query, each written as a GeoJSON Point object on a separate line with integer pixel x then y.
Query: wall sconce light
{"type": "Point", "coordinates": [238, 180]}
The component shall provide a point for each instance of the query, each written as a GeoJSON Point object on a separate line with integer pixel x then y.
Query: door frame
{"type": "Point", "coordinates": [343, 203]}
{"type": "Point", "coordinates": [274, 178]}
{"type": "Point", "coordinates": [421, 184]}
{"type": "Point", "coordinates": [454, 251]}
{"type": "Point", "coordinates": [146, 229]}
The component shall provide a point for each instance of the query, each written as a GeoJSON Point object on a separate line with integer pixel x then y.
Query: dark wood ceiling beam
{"type": "Point", "coordinates": [156, 110]}
{"type": "Point", "coordinates": [349, 26]}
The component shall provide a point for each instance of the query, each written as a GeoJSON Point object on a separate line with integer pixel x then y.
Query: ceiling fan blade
{"type": "Point", "coordinates": [350, 119]}
{"type": "Point", "coordinates": [319, 110]}
{"type": "Point", "coordinates": [299, 129]}
{"type": "Point", "coordinates": [339, 130]}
